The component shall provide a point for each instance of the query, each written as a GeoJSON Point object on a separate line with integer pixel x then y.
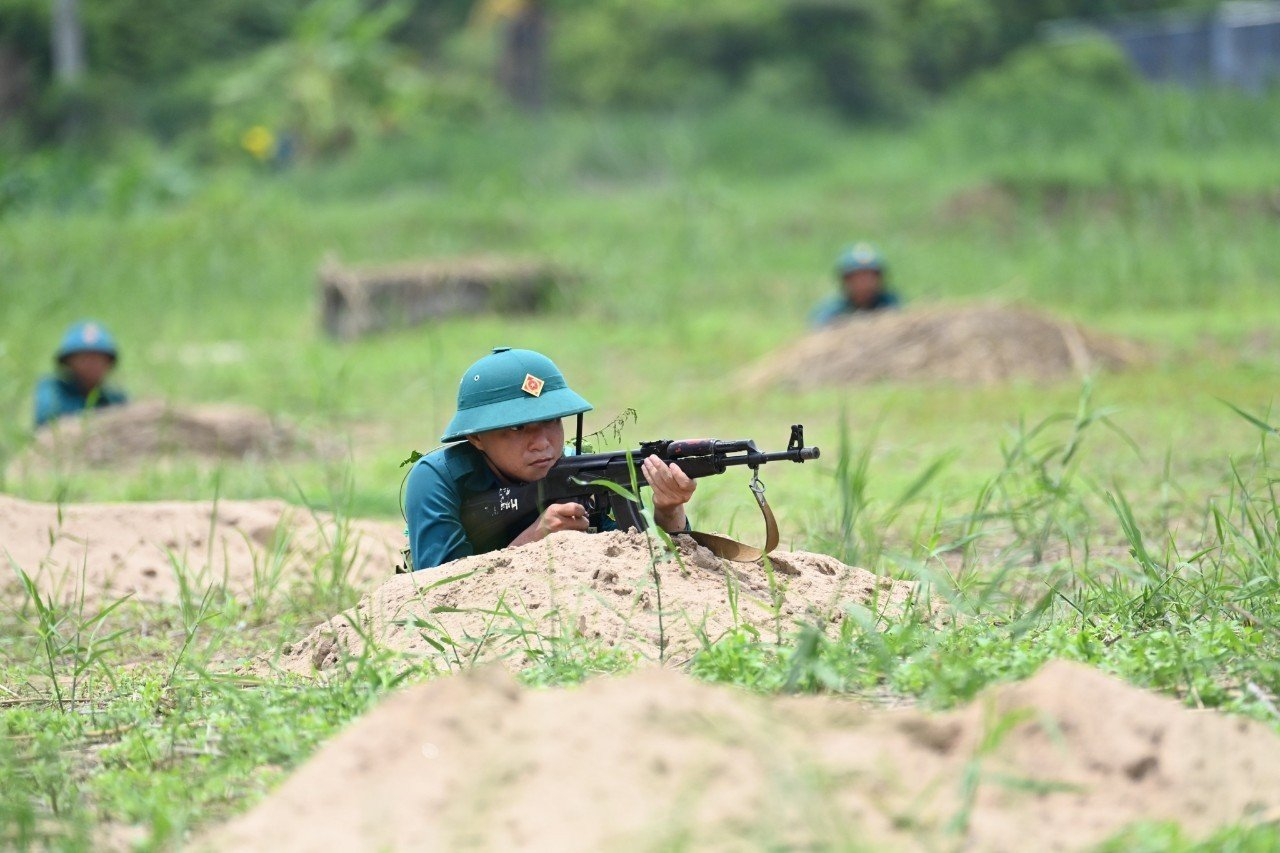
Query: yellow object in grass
{"type": "Point", "coordinates": [259, 141]}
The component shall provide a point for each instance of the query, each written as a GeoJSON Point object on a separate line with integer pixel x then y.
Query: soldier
{"type": "Point", "coordinates": [508, 430]}
{"type": "Point", "coordinates": [85, 357]}
{"type": "Point", "coordinates": [861, 271]}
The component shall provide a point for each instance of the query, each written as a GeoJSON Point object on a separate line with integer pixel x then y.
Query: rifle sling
{"type": "Point", "coordinates": [732, 549]}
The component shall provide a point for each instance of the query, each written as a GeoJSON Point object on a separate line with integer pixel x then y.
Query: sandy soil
{"type": "Point", "coordinates": [130, 548]}
{"type": "Point", "coordinates": [598, 586]}
{"type": "Point", "coordinates": [656, 759]}
{"type": "Point", "coordinates": [975, 344]}
{"type": "Point", "coordinates": [129, 435]}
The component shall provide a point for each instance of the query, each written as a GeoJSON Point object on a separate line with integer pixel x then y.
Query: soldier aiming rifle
{"type": "Point", "coordinates": [505, 477]}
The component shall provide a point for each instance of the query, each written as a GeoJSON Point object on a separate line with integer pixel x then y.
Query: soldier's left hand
{"type": "Point", "coordinates": [671, 487]}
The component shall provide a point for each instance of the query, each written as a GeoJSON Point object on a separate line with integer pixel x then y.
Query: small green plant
{"type": "Point", "coordinates": [70, 639]}
{"type": "Point", "coordinates": [864, 526]}
{"type": "Point", "coordinates": [660, 544]}
{"type": "Point", "coordinates": [1035, 500]}
{"type": "Point", "coordinates": [195, 608]}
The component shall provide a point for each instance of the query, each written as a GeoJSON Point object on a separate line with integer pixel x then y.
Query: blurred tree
{"type": "Point", "coordinates": [154, 41]}
{"type": "Point", "coordinates": [68, 43]}
{"type": "Point", "coordinates": [143, 54]}
{"type": "Point", "coordinates": [850, 44]}
{"type": "Point", "coordinates": [337, 77]}
{"type": "Point", "coordinates": [165, 65]}
{"type": "Point", "coordinates": [522, 27]}
{"type": "Point", "coordinates": [522, 69]}
{"type": "Point", "coordinates": [19, 30]}
{"type": "Point", "coordinates": [69, 64]}
{"type": "Point", "coordinates": [671, 54]}
{"type": "Point", "coordinates": [15, 81]}
{"type": "Point", "coordinates": [24, 48]}
{"type": "Point", "coordinates": [949, 38]}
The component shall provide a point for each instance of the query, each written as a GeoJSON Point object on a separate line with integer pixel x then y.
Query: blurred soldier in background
{"type": "Point", "coordinates": [85, 357]}
{"type": "Point", "coordinates": [861, 271]}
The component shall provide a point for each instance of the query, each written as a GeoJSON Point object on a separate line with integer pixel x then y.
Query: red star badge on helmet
{"type": "Point", "coordinates": [532, 385]}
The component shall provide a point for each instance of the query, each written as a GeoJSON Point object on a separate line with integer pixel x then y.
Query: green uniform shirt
{"type": "Point", "coordinates": [58, 396]}
{"type": "Point", "coordinates": [438, 485]}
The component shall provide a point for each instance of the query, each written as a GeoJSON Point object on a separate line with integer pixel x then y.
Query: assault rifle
{"type": "Point", "coordinates": [593, 480]}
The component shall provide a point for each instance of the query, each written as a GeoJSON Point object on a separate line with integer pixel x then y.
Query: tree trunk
{"type": "Point", "coordinates": [69, 64]}
{"type": "Point", "coordinates": [522, 70]}
{"type": "Point", "coordinates": [15, 81]}
{"type": "Point", "coordinates": [68, 42]}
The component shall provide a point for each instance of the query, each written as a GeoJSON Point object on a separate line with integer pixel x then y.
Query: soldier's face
{"type": "Point", "coordinates": [89, 369]}
{"type": "Point", "coordinates": [526, 452]}
{"type": "Point", "coordinates": [862, 287]}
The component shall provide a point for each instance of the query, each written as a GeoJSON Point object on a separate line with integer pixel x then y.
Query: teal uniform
{"type": "Point", "coordinates": [840, 306]}
{"type": "Point", "coordinates": [438, 485]}
{"type": "Point", "coordinates": [58, 396]}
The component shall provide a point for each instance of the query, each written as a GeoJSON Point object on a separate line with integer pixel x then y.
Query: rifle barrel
{"type": "Point", "coordinates": [752, 458]}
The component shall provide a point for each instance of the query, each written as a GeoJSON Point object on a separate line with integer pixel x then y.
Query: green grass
{"type": "Point", "coordinates": [1130, 526]}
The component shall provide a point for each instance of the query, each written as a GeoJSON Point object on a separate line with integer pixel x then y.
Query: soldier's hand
{"type": "Point", "coordinates": [557, 517]}
{"type": "Point", "coordinates": [672, 488]}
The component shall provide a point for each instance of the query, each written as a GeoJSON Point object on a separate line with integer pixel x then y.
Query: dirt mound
{"type": "Point", "coordinates": [657, 760]}
{"type": "Point", "coordinates": [966, 344]}
{"type": "Point", "coordinates": [131, 548]}
{"type": "Point", "coordinates": [598, 586]}
{"type": "Point", "coordinates": [125, 435]}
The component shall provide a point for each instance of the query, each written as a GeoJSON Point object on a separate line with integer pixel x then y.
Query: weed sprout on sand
{"type": "Point", "coordinates": [71, 645]}
{"type": "Point", "coordinates": [193, 610]}
{"type": "Point", "coordinates": [268, 572]}
{"type": "Point", "coordinates": [433, 632]}
{"type": "Point", "coordinates": [332, 587]}
{"type": "Point", "coordinates": [665, 547]}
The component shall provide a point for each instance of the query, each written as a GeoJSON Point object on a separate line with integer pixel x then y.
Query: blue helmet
{"type": "Point", "coordinates": [860, 256]}
{"type": "Point", "coordinates": [86, 336]}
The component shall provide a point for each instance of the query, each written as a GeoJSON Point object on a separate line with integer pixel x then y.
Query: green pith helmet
{"type": "Point", "coordinates": [510, 387]}
{"type": "Point", "coordinates": [860, 256]}
{"type": "Point", "coordinates": [86, 336]}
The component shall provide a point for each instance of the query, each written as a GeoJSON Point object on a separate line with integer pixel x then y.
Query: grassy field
{"type": "Point", "coordinates": [1130, 523]}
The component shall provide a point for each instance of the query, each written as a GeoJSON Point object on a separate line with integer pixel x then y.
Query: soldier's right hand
{"type": "Point", "coordinates": [557, 517]}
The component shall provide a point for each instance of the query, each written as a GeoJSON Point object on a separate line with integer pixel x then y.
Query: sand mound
{"type": "Point", "coordinates": [598, 586]}
{"type": "Point", "coordinates": [657, 760]}
{"type": "Point", "coordinates": [966, 344]}
{"type": "Point", "coordinates": [125, 435]}
{"type": "Point", "coordinates": [125, 548]}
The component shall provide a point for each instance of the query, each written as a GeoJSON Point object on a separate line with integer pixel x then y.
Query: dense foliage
{"type": "Point", "coordinates": [162, 67]}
